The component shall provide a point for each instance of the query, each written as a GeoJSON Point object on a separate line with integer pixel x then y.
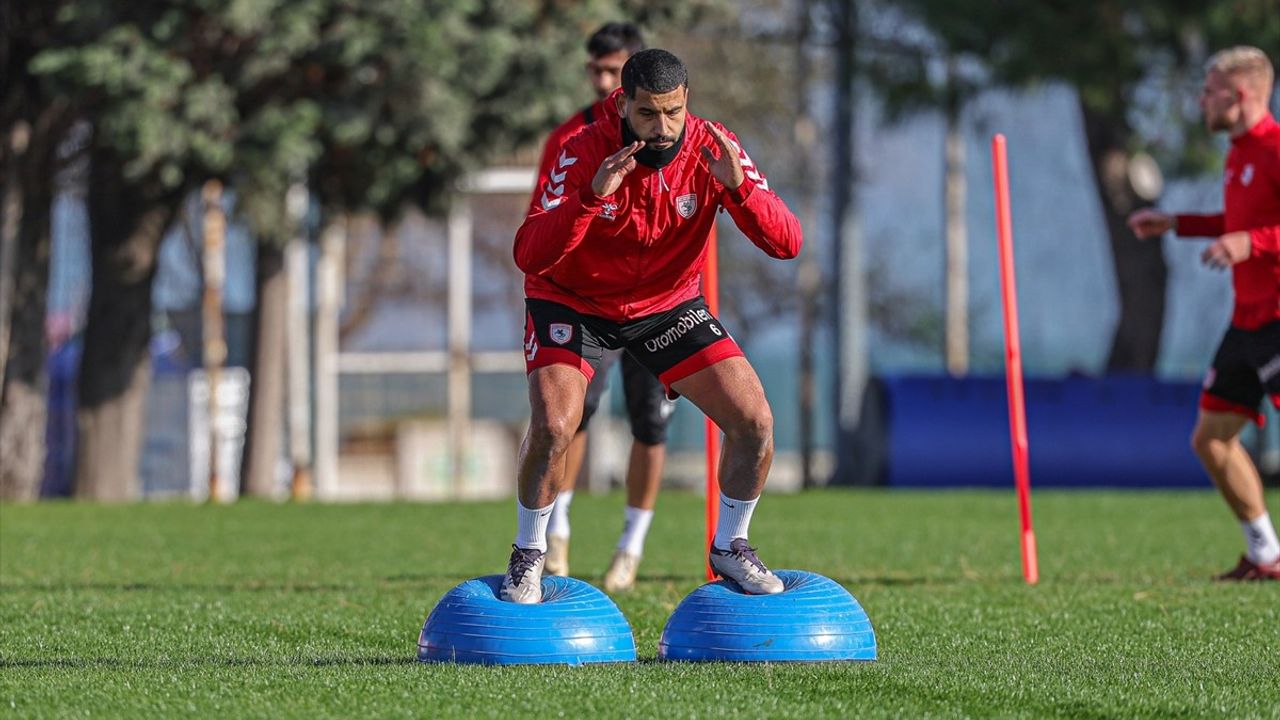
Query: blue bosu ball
{"type": "Point", "coordinates": [574, 624]}
{"type": "Point", "coordinates": [813, 620]}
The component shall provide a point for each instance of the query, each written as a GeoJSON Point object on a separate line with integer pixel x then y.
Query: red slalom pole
{"type": "Point", "coordinates": [711, 289]}
{"type": "Point", "coordinates": [1013, 359]}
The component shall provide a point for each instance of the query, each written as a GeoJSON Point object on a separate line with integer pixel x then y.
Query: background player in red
{"type": "Point", "coordinates": [648, 409]}
{"type": "Point", "coordinates": [1235, 99]}
{"type": "Point", "coordinates": [612, 258]}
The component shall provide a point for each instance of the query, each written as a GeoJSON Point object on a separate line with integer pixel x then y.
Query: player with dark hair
{"type": "Point", "coordinates": [612, 257]}
{"type": "Point", "coordinates": [1246, 368]}
{"type": "Point", "coordinates": [648, 409]}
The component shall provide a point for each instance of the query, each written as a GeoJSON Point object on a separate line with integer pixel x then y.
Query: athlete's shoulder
{"type": "Point", "coordinates": [1269, 133]}
{"type": "Point", "coordinates": [588, 140]}
{"type": "Point", "coordinates": [571, 125]}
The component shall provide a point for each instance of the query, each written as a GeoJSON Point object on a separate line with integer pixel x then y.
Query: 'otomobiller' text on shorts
{"type": "Point", "coordinates": [672, 345]}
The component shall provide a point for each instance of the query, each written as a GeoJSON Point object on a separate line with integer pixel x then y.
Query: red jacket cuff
{"type": "Point", "coordinates": [590, 200]}
{"type": "Point", "coordinates": [742, 192]}
{"type": "Point", "coordinates": [1263, 241]}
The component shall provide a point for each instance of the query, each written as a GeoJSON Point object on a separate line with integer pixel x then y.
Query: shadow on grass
{"type": "Point", "coordinates": [248, 586]}
{"type": "Point", "coordinates": [136, 664]}
{"type": "Point", "coordinates": [861, 580]}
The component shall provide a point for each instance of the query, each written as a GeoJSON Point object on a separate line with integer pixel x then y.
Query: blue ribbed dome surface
{"type": "Point", "coordinates": [813, 620]}
{"type": "Point", "coordinates": [574, 624]}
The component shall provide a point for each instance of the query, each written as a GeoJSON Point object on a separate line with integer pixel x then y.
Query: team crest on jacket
{"type": "Point", "coordinates": [1246, 177]}
{"type": "Point", "coordinates": [686, 204]}
{"type": "Point", "coordinates": [561, 333]}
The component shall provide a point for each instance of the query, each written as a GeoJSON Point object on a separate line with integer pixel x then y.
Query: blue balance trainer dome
{"type": "Point", "coordinates": [574, 624]}
{"type": "Point", "coordinates": [813, 619]}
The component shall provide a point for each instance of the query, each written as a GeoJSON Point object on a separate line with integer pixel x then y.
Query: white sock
{"type": "Point", "coordinates": [559, 524]}
{"type": "Point", "coordinates": [1260, 539]}
{"type": "Point", "coordinates": [634, 530]}
{"type": "Point", "coordinates": [735, 518]}
{"type": "Point", "coordinates": [531, 526]}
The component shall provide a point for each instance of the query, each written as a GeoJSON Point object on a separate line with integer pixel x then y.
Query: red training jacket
{"type": "Point", "coordinates": [639, 251]}
{"type": "Point", "coordinates": [1251, 198]}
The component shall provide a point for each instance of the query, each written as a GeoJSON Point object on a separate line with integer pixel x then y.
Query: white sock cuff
{"type": "Point", "coordinates": [531, 526]}
{"type": "Point", "coordinates": [735, 519]}
{"type": "Point", "coordinates": [635, 530]}
{"type": "Point", "coordinates": [1260, 539]}
{"type": "Point", "coordinates": [559, 523]}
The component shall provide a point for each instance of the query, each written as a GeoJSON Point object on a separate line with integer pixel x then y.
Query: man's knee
{"type": "Point", "coordinates": [552, 431]}
{"type": "Point", "coordinates": [755, 426]}
{"type": "Point", "coordinates": [1211, 440]}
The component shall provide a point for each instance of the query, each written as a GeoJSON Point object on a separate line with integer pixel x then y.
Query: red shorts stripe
{"type": "Point", "coordinates": [701, 360]}
{"type": "Point", "coordinates": [558, 356]}
{"type": "Point", "coordinates": [1213, 403]}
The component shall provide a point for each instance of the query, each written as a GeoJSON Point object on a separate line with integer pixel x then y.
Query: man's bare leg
{"type": "Point", "coordinates": [558, 528]}
{"type": "Point", "coordinates": [729, 392]}
{"type": "Point", "coordinates": [644, 474]}
{"type": "Point", "coordinates": [556, 394]}
{"type": "Point", "coordinates": [644, 477]}
{"type": "Point", "coordinates": [1216, 441]}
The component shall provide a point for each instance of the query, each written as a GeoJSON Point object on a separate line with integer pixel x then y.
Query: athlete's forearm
{"type": "Point", "coordinates": [765, 220]}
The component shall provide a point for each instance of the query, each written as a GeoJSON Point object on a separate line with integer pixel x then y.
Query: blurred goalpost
{"type": "Point", "coordinates": [458, 362]}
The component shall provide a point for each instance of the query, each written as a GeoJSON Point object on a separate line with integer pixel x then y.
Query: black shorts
{"type": "Point", "coordinates": [671, 345]}
{"type": "Point", "coordinates": [1245, 369]}
{"type": "Point", "coordinates": [648, 409]}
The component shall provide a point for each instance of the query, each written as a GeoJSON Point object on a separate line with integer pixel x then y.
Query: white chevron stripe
{"type": "Point", "coordinates": [565, 159]}
{"type": "Point", "coordinates": [549, 203]}
{"type": "Point", "coordinates": [558, 178]}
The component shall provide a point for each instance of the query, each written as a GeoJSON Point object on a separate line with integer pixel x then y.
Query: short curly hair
{"type": "Point", "coordinates": [656, 71]}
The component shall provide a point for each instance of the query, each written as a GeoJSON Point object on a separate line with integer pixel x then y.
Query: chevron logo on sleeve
{"type": "Point", "coordinates": [749, 167]}
{"type": "Point", "coordinates": [553, 191]}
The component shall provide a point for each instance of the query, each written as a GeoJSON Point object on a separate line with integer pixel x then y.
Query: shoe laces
{"type": "Point", "coordinates": [522, 561]}
{"type": "Point", "coordinates": [740, 549]}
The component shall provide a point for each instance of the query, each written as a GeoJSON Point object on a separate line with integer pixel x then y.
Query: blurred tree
{"type": "Point", "coordinates": [372, 104]}
{"type": "Point", "coordinates": [33, 120]}
{"type": "Point", "coordinates": [1114, 54]}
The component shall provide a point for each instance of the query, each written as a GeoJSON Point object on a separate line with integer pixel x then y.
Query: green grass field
{"type": "Point", "coordinates": [313, 611]}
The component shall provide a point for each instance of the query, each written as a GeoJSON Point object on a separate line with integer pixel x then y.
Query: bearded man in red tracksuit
{"type": "Point", "coordinates": [612, 259]}
{"type": "Point", "coordinates": [649, 411]}
{"type": "Point", "coordinates": [1235, 99]}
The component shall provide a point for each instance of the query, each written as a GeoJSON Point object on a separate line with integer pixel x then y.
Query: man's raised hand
{"type": "Point", "coordinates": [727, 168]}
{"type": "Point", "coordinates": [614, 168]}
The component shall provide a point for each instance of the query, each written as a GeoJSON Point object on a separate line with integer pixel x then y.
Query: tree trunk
{"type": "Point", "coordinates": [266, 387]}
{"type": "Point", "coordinates": [23, 407]}
{"type": "Point", "coordinates": [126, 223]}
{"type": "Point", "coordinates": [1141, 271]}
{"type": "Point", "coordinates": [848, 291]}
